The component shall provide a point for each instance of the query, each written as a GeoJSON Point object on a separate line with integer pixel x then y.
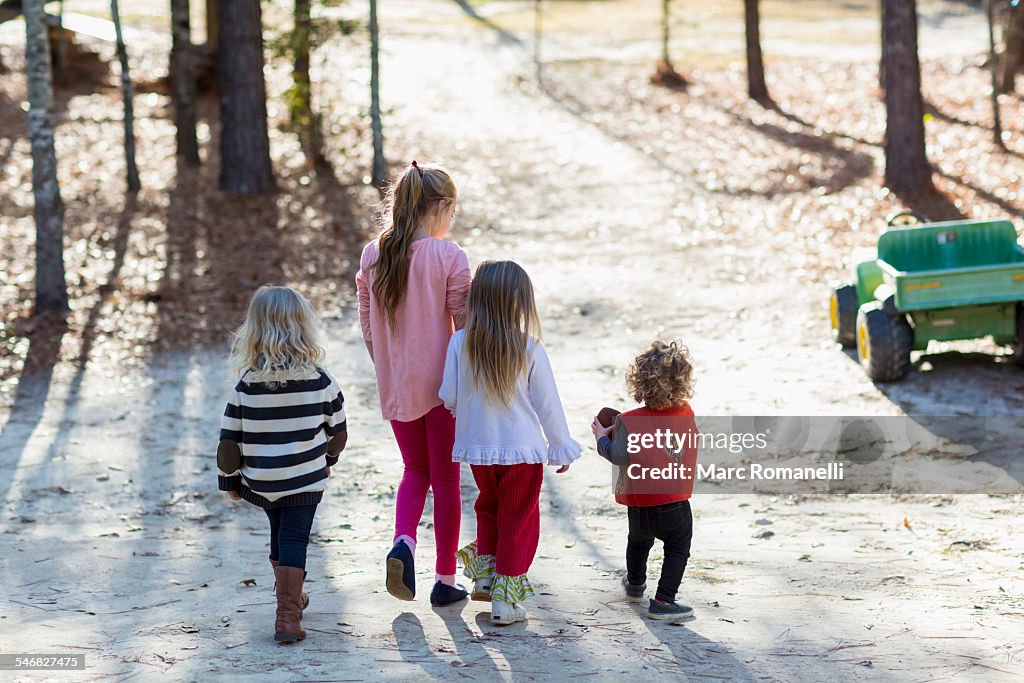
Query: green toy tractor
{"type": "Point", "coordinates": [941, 281]}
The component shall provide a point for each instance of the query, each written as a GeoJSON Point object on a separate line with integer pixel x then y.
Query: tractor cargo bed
{"type": "Point", "coordinates": [988, 284]}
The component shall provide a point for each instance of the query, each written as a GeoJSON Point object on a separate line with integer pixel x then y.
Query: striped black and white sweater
{"type": "Point", "coordinates": [277, 439]}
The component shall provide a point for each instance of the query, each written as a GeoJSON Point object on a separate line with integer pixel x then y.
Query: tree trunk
{"type": "Point", "coordinates": [993, 68]}
{"type": "Point", "coordinates": [244, 145]}
{"type": "Point", "coordinates": [303, 118]}
{"type": "Point", "coordinates": [881, 59]}
{"type": "Point", "coordinates": [129, 111]}
{"type": "Point", "coordinates": [1013, 49]}
{"type": "Point", "coordinates": [906, 165]}
{"type": "Point", "coordinates": [757, 89]}
{"type": "Point", "coordinates": [380, 168]}
{"type": "Point", "coordinates": [666, 26]}
{"type": "Point", "coordinates": [60, 42]}
{"type": "Point", "coordinates": [183, 82]}
{"type": "Point", "coordinates": [538, 34]}
{"type": "Point", "coordinates": [51, 291]}
{"type": "Point", "coordinates": [212, 27]}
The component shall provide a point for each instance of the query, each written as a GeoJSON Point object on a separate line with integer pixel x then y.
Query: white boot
{"type": "Point", "coordinates": [505, 613]}
{"type": "Point", "coordinates": [482, 590]}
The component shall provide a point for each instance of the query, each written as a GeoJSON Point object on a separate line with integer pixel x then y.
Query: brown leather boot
{"type": "Point", "coordinates": [305, 598]}
{"type": "Point", "coordinates": [287, 628]}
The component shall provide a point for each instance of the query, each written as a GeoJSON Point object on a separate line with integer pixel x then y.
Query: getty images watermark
{"type": "Point", "coordinates": [675, 446]}
{"type": "Point", "coordinates": [822, 454]}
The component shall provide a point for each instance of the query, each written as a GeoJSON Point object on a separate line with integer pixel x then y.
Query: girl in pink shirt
{"type": "Point", "coordinates": [412, 287]}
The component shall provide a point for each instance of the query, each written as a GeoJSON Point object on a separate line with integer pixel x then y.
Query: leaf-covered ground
{"type": "Point", "coordinates": [165, 269]}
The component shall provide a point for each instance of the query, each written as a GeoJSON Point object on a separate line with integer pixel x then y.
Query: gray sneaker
{"type": "Point", "coordinates": [633, 593]}
{"type": "Point", "coordinates": [669, 610]}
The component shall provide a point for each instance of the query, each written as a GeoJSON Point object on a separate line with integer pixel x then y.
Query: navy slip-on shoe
{"type": "Point", "coordinates": [443, 594]}
{"type": "Point", "coordinates": [668, 610]}
{"type": "Point", "coordinates": [401, 577]}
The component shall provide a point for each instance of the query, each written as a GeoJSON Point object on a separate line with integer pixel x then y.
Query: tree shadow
{"type": "Point", "coordinates": [13, 128]}
{"type": "Point", "coordinates": [504, 36]}
{"type": "Point", "coordinates": [691, 652]}
{"type": "Point", "coordinates": [935, 375]}
{"type": "Point", "coordinates": [933, 204]}
{"type": "Point", "coordinates": [583, 112]}
{"type": "Point", "coordinates": [71, 400]}
{"type": "Point", "coordinates": [790, 116]}
{"type": "Point", "coordinates": [31, 393]}
{"type": "Point", "coordinates": [933, 392]}
{"type": "Point", "coordinates": [221, 247]}
{"type": "Point", "coordinates": [83, 72]}
{"type": "Point", "coordinates": [6, 151]}
{"type": "Point", "coordinates": [987, 195]}
{"type": "Point", "coordinates": [850, 166]}
{"type": "Point", "coordinates": [933, 109]}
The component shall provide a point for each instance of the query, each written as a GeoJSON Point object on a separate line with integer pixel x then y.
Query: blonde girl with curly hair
{"type": "Point", "coordinates": [509, 424]}
{"type": "Point", "coordinates": [658, 508]}
{"type": "Point", "coordinates": [412, 284]}
{"type": "Point", "coordinates": [282, 431]}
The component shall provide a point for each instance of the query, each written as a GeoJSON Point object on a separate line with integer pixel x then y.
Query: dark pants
{"type": "Point", "coordinates": [289, 534]}
{"type": "Point", "coordinates": [673, 525]}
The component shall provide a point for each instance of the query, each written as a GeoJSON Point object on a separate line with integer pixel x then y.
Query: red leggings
{"type": "Point", "coordinates": [426, 445]}
{"type": "Point", "coordinates": [508, 515]}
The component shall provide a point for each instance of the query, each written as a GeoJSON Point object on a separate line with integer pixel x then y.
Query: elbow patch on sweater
{"type": "Point", "coordinates": [337, 444]}
{"type": "Point", "coordinates": [229, 457]}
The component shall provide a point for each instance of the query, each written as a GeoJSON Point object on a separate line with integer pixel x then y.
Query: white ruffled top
{"type": "Point", "coordinates": [488, 433]}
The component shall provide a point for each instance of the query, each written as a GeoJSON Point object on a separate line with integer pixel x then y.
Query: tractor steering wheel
{"type": "Point", "coordinates": [903, 219]}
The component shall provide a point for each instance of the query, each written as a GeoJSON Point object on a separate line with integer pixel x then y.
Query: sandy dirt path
{"type": "Point", "coordinates": [118, 548]}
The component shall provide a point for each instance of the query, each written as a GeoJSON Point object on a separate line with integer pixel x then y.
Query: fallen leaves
{"type": "Point", "coordinates": [976, 544]}
{"type": "Point", "coordinates": [163, 270]}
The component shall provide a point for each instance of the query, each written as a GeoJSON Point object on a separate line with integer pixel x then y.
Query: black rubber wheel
{"type": "Point", "coordinates": [883, 343]}
{"type": "Point", "coordinates": [889, 305]}
{"type": "Point", "coordinates": [843, 315]}
{"type": "Point", "coordinates": [1018, 344]}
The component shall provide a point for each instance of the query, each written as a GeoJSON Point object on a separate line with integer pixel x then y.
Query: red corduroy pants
{"type": "Point", "coordinates": [508, 515]}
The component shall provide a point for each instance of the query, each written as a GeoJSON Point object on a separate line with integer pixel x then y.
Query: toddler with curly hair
{"type": "Point", "coordinates": [654, 448]}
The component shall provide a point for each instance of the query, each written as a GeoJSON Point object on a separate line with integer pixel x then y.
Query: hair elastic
{"type": "Point", "coordinates": [417, 167]}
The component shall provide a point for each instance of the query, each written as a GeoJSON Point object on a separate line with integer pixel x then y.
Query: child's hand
{"type": "Point", "coordinates": [328, 470]}
{"type": "Point", "coordinates": [234, 495]}
{"type": "Point", "coordinates": [599, 430]}
{"type": "Point", "coordinates": [562, 470]}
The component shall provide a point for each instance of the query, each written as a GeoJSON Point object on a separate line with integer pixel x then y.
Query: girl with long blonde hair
{"type": "Point", "coordinates": [282, 431]}
{"type": "Point", "coordinates": [498, 382]}
{"type": "Point", "coordinates": [412, 286]}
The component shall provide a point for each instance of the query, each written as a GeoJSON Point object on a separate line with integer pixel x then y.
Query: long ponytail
{"type": "Point", "coordinates": [407, 203]}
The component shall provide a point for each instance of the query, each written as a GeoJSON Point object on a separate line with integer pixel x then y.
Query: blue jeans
{"type": "Point", "coordinates": [289, 534]}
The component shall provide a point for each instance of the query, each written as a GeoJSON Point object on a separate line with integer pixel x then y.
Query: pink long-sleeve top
{"type": "Point", "coordinates": [409, 361]}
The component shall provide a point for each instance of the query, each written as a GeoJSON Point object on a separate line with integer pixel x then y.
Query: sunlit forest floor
{"type": "Point", "coordinates": [801, 180]}
{"type": "Point", "coordinates": [640, 212]}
